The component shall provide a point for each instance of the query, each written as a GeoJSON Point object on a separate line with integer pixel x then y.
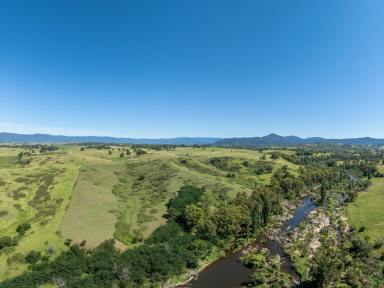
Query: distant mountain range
{"type": "Point", "coordinates": [269, 140]}
{"type": "Point", "coordinates": [46, 138]}
{"type": "Point", "coordinates": [277, 140]}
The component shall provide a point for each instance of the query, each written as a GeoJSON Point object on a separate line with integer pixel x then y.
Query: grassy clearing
{"type": "Point", "coordinates": [90, 214]}
{"type": "Point", "coordinates": [368, 210]}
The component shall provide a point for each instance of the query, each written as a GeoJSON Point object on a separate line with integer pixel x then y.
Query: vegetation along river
{"type": "Point", "coordinates": [229, 271]}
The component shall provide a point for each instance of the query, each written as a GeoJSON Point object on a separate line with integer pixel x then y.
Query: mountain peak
{"type": "Point", "coordinates": [273, 135]}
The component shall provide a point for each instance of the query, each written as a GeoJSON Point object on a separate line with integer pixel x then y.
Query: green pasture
{"type": "Point", "coordinates": [368, 210]}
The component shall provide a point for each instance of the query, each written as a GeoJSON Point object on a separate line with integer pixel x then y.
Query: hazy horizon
{"type": "Point", "coordinates": [183, 136]}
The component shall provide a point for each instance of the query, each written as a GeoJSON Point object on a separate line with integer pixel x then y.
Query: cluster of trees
{"type": "Point", "coordinates": [266, 270]}
{"type": "Point", "coordinates": [22, 158]}
{"type": "Point", "coordinates": [331, 156]}
{"type": "Point", "coordinates": [139, 151]}
{"type": "Point", "coordinates": [8, 241]}
{"type": "Point", "coordinates": [353, 263]}
{"type": "Point", "coordinates": [233, 165]}
{"type": "Point", "coordinates": [98, 146]}
{"type": "Point", "coordinates": [285, 183]}
{"type": "Point", "coordinates": [47, 148]}
{"type": "Point", "coordinates": [217, 221]}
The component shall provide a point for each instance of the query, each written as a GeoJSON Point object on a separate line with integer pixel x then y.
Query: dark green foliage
{"type": "Point", "coordinates": [68, 242]}
{"type": "Point", "coordinates": [48, 148]}
{"type": "Point", "coordinates": [225, 163]}
{"type": "Point", "coordinates": [231, 221]}
{"type": "Point", "coordinates": [140, 151]}
{"type": "Point", "coordinates": [349, 265]}
{"type": "Point", "coordinates": [262, 167]}
{"type": "Point", "coordinates": [361, 229]}
{"type": "Point", "coordinates": [323, 195]}
{"type": "Point", "coordinates": [22, 228]}
{"type": "Point", "coordinates": [232, 165]}
{"type": "Point", "coordinates": [164, 233]}
{"type": "Point", "coordinates": [176, 206]}
{"type": "Point", "coordinates": [266, 270]}
{"type": "Point", "coordinates": [33, 257]}
{"type": "Point", "coordinates": [287, 184]}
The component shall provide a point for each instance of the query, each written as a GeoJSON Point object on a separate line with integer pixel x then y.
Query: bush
{"type": "Point", "coordinates": [378, 244]}
{"type": "Point", "coordinates": [33, 257]}
{"type": "Point", "coordinates": [361, 229]}
{"type": "Point", "coordinates": [22, 228]}
{"type": "Point", "coordinates": [7, 241]}
{"type": "Point", "coordinates": [68, 242]}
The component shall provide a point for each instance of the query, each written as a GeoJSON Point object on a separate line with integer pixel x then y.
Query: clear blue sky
{"type": "Point", "coordinates": [193, 68]}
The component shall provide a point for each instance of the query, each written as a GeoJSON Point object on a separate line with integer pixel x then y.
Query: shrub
{"type": "Point", "coordinates": [22, 228]}
{"type": "Point", "coordinates": [7, 241]}
{"type": "Point", "coordinates": [33, 257]}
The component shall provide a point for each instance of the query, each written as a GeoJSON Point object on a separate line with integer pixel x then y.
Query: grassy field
{"type": "Point", "coordinates": [95, 195]}
{"type": "Point", "coordinates": [90, 214]}
{"type": "Point", "coordinates": [368, 210]}
{"type": "Point", "coordinates": [35, 194]}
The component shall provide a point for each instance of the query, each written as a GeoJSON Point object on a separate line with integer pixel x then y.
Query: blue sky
{"type": "Point", "coordinates": [192, 68]}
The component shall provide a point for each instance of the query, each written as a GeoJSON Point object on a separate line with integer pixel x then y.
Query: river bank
{"type": "Point", "coordinates": [229, 271]}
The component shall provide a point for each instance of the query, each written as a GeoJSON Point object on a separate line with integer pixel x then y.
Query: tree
{"type": "Point", "coordinates": [323, 194]}
{"type": "Point", "coordinates": [194, 216]}
{"type": "Point", "coordinates": [22, 228]}
{"type": "Point", "coordinates": [231, 220]}
{"type": "Point", "coordinates": [33, 257]}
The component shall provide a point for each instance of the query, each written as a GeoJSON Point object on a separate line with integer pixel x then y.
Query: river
{"type": "Point", "coordinates": [229, 272]}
